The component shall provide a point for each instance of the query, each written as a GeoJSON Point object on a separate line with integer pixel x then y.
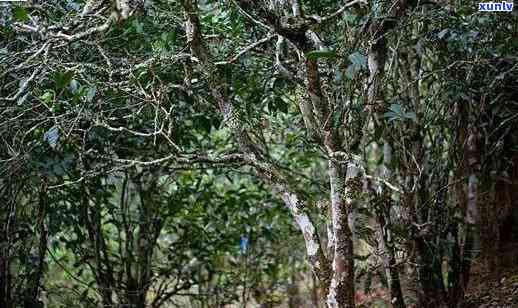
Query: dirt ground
{"type": "Point", "coordinates": [485, 291]}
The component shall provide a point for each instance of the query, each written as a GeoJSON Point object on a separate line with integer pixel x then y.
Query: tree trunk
{"type": "Point", "coordinates": [91, 218]}
{"type": "Point", "coordinates": [488, 227]}
{"type": "Point", "coordinates": [5, 244]}
{"type": "Point", "coordinates": [388, 253]}
{"type": "Point", "coordinates": [315, 293]}
{"type": "Point", "coordinates": [376, 63]}
{"type": "Point", "coordinates": [344, 189]}
{"type": "Point", "coordinates": [293, 291]}
{"type": "Point", "coordinates": [317, 259]}
{"type": "Point", "coordinates": [460, 264]}
{"type": "Point", "coordinates": [4, 286]}
{"type": "Point", "coordinates": [431, 293]}
{"type": "Point", "coordinates": [34, 281]}
{"type": "Point", "coordinates": [383, 214]}
{"type": "Point", "coordinates": [462, 233]}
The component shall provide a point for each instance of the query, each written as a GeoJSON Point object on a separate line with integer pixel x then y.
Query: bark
{"type": "Point", "coordinates": [131, 291]}
{"type": "Point", "coordinates": [315, 293]}
{"type": "Point", "coordinates": [150, 226]}
{"type": "Point", "coordinates": [296, 7]}
{"type": "Point", "coordinates": [460, 264]}
{"type": "Point", "coordinates": [480, 212]}
{"type": "Point", "coordinates": [217, 77]}
{"type": "Point", "coordinates": [317, 259]}
{"type": "Point", "coordinates": [102, 270]}
{"type": "Point", "coordinates": [8, 199]}
{"type": "Point", "coordinates": [488, 226]}
{"type": "Point", "coordinates": [4, 286]}
{"type": "Point", "coordinates": [344, 189]}
{"type": "Point", "coordinates": [431, 291]}
{"type": "Point", "coordinates": [34, 281]}
{"type": "Point", "coordinates": [463, 232]}
{"type": "Point", "coordinates": [386, 240]}
{"type": "Point", "coordinates": [305, 103]}
{"type": "Point", "coordinates": [315, 92]}
{"type": "Point", "coordinates": [330, 237]}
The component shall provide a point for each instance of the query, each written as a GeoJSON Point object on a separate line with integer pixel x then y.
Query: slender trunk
{"type": "Point", "coordinates": [4, 272]}
{"type": "Point", "coordinates": [135, 295]}
{"type": "Point", "coordinates": [34, 282]}
{"type": "Point", "coordinates": [465, 233]}
{"type": "Point", "coordinates": [103, 273]}
{"type": "Point", "coordinates": [8, 199]}
{"type": "Point", "coordinates": [138, 282]}
{"type": "Point", "coordinates": [317, 259]}
{"type": "Point", "coordinates": [431, 292]}
{"type": "Point", "coordinates": [488, 227]}
{"type": "Point", "coordinates": [315, 298]}
{"type": "Point", "coordinates": [388, 249]}
{"type": "Point", "coordinates": [344, 188]}
{"type": "Point", "coordinates": [376, 63]}
{"type": "Point", "coordinates": [481, 210]}
{"type": "Point", "coordinates": [460, 264]}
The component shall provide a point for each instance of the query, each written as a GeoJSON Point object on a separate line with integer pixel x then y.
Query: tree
{"type": "Point", "coordinates": [395, 114]}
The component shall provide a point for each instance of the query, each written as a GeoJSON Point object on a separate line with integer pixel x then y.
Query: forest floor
{"type": "Point", "coordinates": [486, 291]}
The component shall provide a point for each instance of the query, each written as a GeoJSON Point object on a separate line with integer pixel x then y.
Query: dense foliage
{"type": "Point", "coordinates": [159, 153]}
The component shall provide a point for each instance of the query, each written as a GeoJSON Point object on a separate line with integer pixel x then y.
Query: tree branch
{"type": "Point", "coordinates": [246, 49]}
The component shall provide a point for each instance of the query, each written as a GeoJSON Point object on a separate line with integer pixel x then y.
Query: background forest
{"type": "Point", "coordinates": [267, 153]}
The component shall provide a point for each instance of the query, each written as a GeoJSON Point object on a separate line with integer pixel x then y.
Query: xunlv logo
{"type": "Point", "coordinates": [495, 7]}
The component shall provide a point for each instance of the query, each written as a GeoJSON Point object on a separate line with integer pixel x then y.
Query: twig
{"type": "Point", "coordinates": [378, 179]}
{"type": "Point", "coordinates": [80, 35]}
{"type": "Point", "coordinates": [245, 13]}
{"type": "Point", "coordinates": [230, 158]}
{"type": "Point", "coordinates": [340, 11]}
{"type": "Point", "coordinates": [247, 49]}
{"type": "Point", "coordinates": [24, 85]}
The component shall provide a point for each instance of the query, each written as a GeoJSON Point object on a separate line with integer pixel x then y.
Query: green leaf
{"type": "Point", "coordinates": [391, 116]}
{"type": "Point", "coordinates": [338, 76]}
{"type": "Point", "coordinates": [74, 86]}
{"type": "Point", "coordinates": [90, 94]}
{"type": "Point", "coordinates": [138, 26]}
{"type": "Point", "coordinates": [411, 115]}
{"type": "Point", "coordinates": [351, 71]}
{"type": "Point", "coordinates": [396, 113]}
{"type": "Point", "coordinates": [395, 108]}
{"type": "Point", "coordinates": [21, 14]}
{"type": "Point", "coordinates": [350, 17]}
{"type": "Point", "coordinates": [317, 54]}
{"type": "Point", "coordinates": [163, 37]}
{"type": "Point", "coordinates": [52, 136]}
{"type": "Point", "coordinates": [63, 79]}
{"type": "Point", "coordinates": [358, 60]}
{"type": "Point", "coordinates": [443, 33]}
{"type": "Point", "coordinates": [48, 96]}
